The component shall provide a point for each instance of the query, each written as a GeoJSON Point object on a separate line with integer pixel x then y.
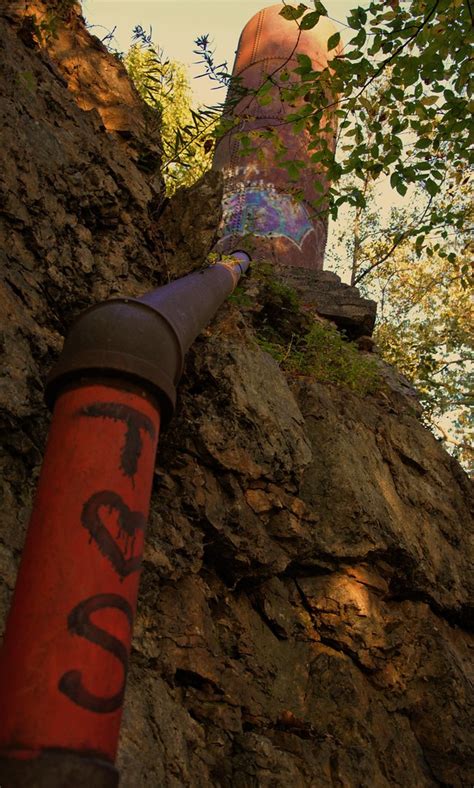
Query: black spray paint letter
{"type": "Point", "coordinates": [134, 422]}
{"type": "Point", "coordinates": [79, 623]}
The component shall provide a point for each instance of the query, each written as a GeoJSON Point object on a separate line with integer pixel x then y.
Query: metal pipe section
{"type": "Point", "coordinates": [65, 653]}
{"type": "Point", "coordinates": [260, 212]}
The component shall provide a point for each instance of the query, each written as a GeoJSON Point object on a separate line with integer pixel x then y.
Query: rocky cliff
{"type": "Point", "coordinates": [305, 603]}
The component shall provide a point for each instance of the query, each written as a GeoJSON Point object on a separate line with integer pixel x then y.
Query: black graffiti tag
{"type": "Point", "coordinates": [117, 548]}
{"type": "Point", "coordinates": [129, 522]}
{"type": "Point", "coordinates": [79, 623]}
{"type": "Point", "coordinates": [134, 421]}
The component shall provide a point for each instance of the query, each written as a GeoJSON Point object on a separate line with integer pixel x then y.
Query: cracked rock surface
{"type": "Point", "coordinates": [305, 608]}
{"type": "Point", "coordinates": [313, 608]}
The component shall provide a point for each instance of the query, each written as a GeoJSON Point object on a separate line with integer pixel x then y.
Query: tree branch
{"type": "Point", "coordinates": [396, 243]}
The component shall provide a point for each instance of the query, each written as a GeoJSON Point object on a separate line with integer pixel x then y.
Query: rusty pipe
{"type": "Point", "coordinates": [259, 211]}
{"type": "Point", "coordinates": [64, 659]}
{"type": "Point", "coordinates": [120, 335]}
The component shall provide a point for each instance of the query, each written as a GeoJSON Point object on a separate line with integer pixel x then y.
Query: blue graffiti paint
{"type": "Point", "coordinates": [265, 212]}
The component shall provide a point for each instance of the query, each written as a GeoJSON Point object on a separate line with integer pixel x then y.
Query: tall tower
{"type": "Point", "coordinates": [261, 213]}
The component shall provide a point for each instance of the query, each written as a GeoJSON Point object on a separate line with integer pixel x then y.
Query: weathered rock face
{"type": "Point", "coordinates": [311, 611]}
{"type": "Point", "coordinates": [305, 601]}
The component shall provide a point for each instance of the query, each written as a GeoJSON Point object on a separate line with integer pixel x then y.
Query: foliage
{"type": "Point", "coordinates": [425, 329]}
{"type": "Point", "coordinates": [283, 294]}
{"type": "Point", "coordinates": [323, 354]}
{"type": "Point", "coordinates": [278, 315]}
{"type": "Point", "coordinates": [301, 344]}
{"type": "Point", "coordinates": [421, 283]}
{"type": "Point", "coordinates": [186, 135]}
{"type": "Point", "coordinates": [240, 298]}
{"type": "Point", "coordinates": [404, 77]}
{"type": "Point", "coordinates": [44, 25]}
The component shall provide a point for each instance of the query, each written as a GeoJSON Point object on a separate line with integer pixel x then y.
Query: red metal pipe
{"type": "Point", "coordinates": [260, 213]}
{"type": "Point", "coordinates": [64, 660]}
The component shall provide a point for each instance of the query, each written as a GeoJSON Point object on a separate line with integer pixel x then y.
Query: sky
{"type": "Point", "coordinates": [177, 23]}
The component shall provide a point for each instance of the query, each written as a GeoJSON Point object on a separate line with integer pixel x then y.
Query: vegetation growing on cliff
{"type": "Point", "coordinates": [300, 343]}
{"type": "Point", "coordinates": [185, 133]}
{"type": "Point", "coordinates": [322, 354]}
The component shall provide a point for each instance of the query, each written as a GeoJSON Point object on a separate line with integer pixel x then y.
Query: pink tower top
{"type": "Point", "coordinates": [260, 213]}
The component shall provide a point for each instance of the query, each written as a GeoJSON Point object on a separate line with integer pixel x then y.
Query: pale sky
{"type": "Point", "coordinates": [176, 23]}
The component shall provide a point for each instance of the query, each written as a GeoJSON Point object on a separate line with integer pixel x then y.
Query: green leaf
{"type": "Point", "coordinates": [290, 12]}
{"type": "Point", "coordinates": [310, 20]}
{"type": "Point", "coordinates": [319, 156]}
{"type": "Point", "coordinates": [265, 88]}
{"type": "Point", "coordinates": [299, 125]}
{"type": "Point", "coordinates": [359, 40]}
{"type": "Point", "coordinates": [428, 100]}
{"type": "Point", "coordinates": [293, 169]}
{"type": "Point", "coordinates": [423, 142]}
{"type": "Point", "coordinates": [401, 188]}
{"type": "Point", "coordinates": [353, 21]}
{"type": "Point", "coordinates": [394, 178]}
{"type": "Point", "coordinates": [333, 41]}
{"type": "Point", "coordinates": [397, 93]}
{"type": "Point", "coordinates": [305, 64]}
{"type": "Point", "coordinates": [432, 188]}
{"type": "Point", "coordinates": [320, 8]}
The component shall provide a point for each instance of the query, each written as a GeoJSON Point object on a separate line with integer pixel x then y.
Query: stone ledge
{"type": "Point", "coordinates": [333, 299]}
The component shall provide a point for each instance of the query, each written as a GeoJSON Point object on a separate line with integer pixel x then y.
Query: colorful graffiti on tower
{"type": "Point", "coordinates": [264, 212]}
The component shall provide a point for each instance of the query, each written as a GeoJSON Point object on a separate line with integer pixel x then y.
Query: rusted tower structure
{"type": "Point", "coordinates": [260, 211]}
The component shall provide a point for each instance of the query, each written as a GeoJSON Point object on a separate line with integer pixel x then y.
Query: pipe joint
{"type": "Point", "coordinates": [145, 339]}
{"type": "Point", "coordinates": [127, 338]}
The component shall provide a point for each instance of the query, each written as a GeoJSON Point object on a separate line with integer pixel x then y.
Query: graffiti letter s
{"type": "Point", "coordinates": [79, 623]}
